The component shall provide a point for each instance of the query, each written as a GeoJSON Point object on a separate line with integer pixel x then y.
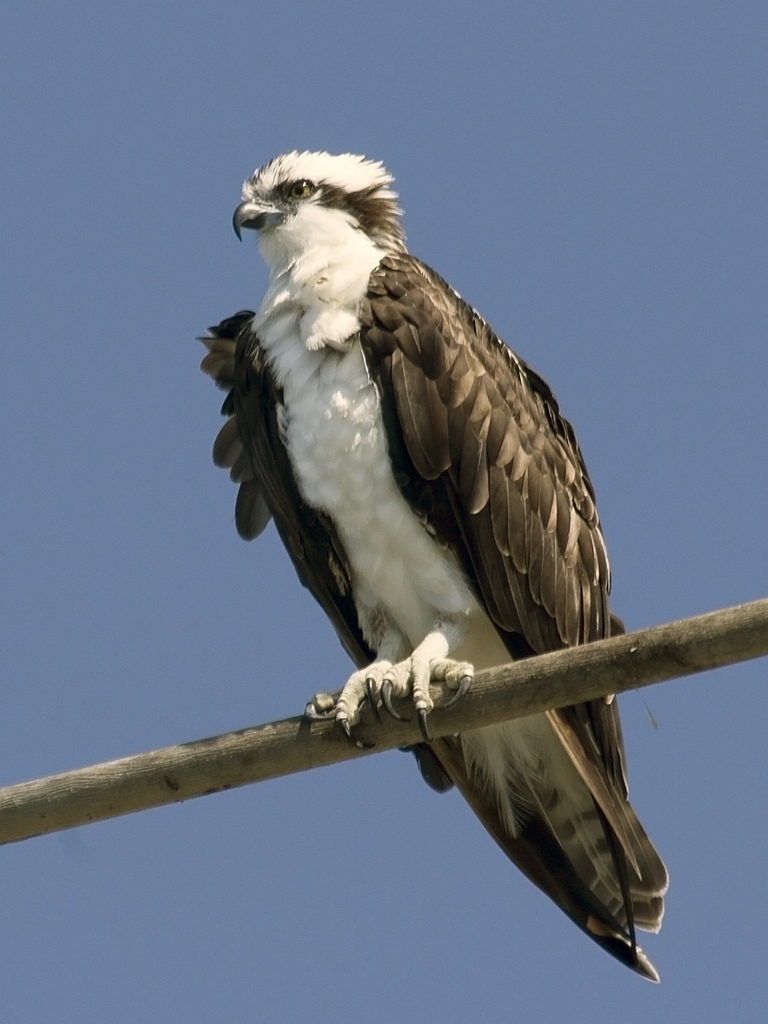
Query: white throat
{"type": "Point", "coordinates": [320, 261]}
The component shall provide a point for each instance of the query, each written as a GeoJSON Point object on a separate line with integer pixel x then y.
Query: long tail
{"type": "Point", "coordinates": [590, 856]}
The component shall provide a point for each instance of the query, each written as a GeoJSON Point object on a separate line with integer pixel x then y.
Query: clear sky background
{"type": "Point", "coordinates": [592, 176]}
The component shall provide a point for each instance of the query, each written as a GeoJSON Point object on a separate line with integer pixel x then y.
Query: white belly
{"type": "Point", "coordinates": [335, 435]}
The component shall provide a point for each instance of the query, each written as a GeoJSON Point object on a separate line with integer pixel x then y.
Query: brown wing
{"type": "Point", "coordinates": [486, 432]}
{"type": "Point", "coordinates": [477, 441]}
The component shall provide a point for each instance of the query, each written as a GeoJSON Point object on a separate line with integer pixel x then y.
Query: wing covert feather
{"type": "Point", "coordinates": [515, 475]}
{"type": "Point", "coordinates": [472, 409]}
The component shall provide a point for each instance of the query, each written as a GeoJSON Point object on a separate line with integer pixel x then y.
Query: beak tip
{"type": "Point", "coordinates": [240, 219]}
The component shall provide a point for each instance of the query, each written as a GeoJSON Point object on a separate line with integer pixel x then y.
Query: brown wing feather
{"type": "Point", "coordinates": [531, 541]}
{"type": "Point", "coordinates": [468, 406]}
{"type": "Point", "coordinates": [495, 412]}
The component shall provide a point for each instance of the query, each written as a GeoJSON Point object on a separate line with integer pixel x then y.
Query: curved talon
{"type": "Point", "coordinates": [386, 700]}
{"type": "Point", "coordinates": [311, 712]}
{"type": "Point", "coordinates": [373, 700]}
{"type": "Point", "coordinates": [464, 684]}
{"type": "Point", "coordinates": [344, 723]}
{"type": "Point", "coordinates": [422, 713]}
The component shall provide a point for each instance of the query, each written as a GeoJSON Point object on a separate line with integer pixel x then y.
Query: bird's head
{"type": "Point", "coordinates": [301, 200]}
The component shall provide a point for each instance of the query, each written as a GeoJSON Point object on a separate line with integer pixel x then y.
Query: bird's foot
{"type": "Point", "coordinates": [382, 681]}
{"type": "Point", "coordinates": [411, 678]}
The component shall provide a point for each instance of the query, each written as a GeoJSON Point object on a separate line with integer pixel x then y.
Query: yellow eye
{"type": "Point", "coordinates": [301, 189]}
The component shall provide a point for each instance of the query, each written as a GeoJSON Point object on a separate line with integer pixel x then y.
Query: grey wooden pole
{"type": "Point", "coordinates": [280, 748]}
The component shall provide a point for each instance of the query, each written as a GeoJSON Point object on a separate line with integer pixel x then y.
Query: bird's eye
{"type": "Point", "coordinates": [300, 189]}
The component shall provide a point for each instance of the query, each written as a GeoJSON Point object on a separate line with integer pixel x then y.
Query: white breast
{"type": "Point", "coordinates": [333, 430]}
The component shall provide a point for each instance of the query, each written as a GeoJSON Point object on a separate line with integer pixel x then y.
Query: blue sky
{"type": "Point", "coordinates": [592, 177]}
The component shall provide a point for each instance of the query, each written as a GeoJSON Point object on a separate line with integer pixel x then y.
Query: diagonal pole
{"type": "Point", "coordinates": [528, 687]}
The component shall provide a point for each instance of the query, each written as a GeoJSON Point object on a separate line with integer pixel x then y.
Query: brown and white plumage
{"type": "Point", "coordinates": [436, 503]}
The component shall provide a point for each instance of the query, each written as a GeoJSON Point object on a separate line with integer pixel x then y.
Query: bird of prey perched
{"type": "Point", "coordinates": [435, 501]}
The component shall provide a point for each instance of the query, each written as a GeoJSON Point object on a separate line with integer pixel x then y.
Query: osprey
{"type": "Point", "coordinates": [435, 501]}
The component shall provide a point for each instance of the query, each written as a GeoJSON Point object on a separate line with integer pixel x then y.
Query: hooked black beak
{"type": "Point", "coordinates": [254, 217]}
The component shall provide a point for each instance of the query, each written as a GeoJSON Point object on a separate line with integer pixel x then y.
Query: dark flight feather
{"type": "Point", "coordinates": [526, 512]}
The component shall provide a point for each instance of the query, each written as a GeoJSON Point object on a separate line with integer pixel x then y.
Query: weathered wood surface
{"type": "Point", "coordinates": [296, 744]}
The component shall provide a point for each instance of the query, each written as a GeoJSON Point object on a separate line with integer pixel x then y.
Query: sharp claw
{"type": "Point", "coordinates": [464, 684]}
{"type": "Point", "coordinates": [373, 700]}
{"type": "Point", "coordinates": [422, 713]}
{"type": "Point", "coordinates": [344, 723]}
{"type": "Point", "coordinates": [386, 700]}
